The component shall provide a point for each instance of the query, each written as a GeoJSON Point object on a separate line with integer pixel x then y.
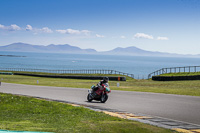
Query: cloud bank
{"type": "Point", "coordinates": [29, 28]}
{"type": "Point", "coordinates": [14, 27]}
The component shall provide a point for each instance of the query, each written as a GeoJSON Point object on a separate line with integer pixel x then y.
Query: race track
{"type": "Point", "coordinates": [175, 107]}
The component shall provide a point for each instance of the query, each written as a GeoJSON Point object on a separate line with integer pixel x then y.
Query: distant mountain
{"type": "Point", "coordinates": [137, 52]}
{"type": "Point", "coordinates": [65, 48]}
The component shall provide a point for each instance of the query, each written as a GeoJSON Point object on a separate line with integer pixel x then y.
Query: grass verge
{"type": "Point", "coordinates": [29, 114]}
{"type": "Point", "coordinates": [181, 74]}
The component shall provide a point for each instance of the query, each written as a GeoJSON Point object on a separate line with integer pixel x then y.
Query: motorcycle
{"type": "Point", "coordinates": [101, 94]}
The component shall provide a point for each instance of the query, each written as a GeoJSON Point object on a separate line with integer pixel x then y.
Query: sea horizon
{"type": "Point", "coordinates": [140, 66]}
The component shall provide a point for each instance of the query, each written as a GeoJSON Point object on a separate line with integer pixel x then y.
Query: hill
{"type": "Point", "coordinates": [66, 48]}
{"type": "Point", "coordinates": [134, 51]}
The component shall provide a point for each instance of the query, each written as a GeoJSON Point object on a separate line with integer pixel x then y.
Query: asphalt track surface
{"type": "Point", "coordinates": [175, 107]}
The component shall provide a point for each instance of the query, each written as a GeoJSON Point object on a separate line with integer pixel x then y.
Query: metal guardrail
{"type": "Point", "coordinates": [188, 69]}
{"type": "Point", "coordinates": [6, 73]}
{"type": "Point", "coordinates": [83, 71]}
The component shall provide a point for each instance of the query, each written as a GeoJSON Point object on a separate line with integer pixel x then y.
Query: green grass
{"type": "Point", "coordinates": [181, 74]}
{"type": "Point", "coordinates": [20, 113]}
{"type": "Point", "coordinates": [191, 88]}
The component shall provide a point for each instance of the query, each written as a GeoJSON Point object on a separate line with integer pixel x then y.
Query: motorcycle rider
{"type": "Point", "coordinates": [99, 85]}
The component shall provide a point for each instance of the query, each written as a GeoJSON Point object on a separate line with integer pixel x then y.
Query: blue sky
{"type": "Point", "coordinates": [156, 25]}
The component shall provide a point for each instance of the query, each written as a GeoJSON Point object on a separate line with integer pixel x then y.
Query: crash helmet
{"type": "Point", "coordinates": [105, 79]}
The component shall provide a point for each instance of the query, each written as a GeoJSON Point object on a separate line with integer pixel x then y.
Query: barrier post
{"type": "Point", "coordinates": [118, 84]}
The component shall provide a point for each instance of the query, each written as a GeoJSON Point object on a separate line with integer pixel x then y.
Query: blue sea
{"type": "Point", "coordinates": [137, 65]}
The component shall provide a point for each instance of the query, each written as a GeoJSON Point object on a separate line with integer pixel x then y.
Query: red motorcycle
{"type": "Point", "coordinates": [101, 94]}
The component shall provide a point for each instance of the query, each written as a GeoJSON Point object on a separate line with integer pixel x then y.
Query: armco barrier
{"type": "Point", "coordinates": [185, 69]}
{"type": "Point", "coordinates": [175, 78]}
{"type": "Point", "coordinates": [6, 73]}
{"type": "Point", "coordinates": [83, 71]}
{"type": "Point", "coordinates": [75, 77]}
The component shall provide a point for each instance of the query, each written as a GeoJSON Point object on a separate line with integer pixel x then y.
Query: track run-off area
{"type": "Point", "coordinates": [165, 110]}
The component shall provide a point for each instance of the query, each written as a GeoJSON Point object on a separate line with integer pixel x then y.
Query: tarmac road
{"type": "Point", "coordinates": [175, 107]}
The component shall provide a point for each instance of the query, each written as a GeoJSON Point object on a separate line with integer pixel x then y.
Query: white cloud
{"type": "Point", "coordinates": [46, 30]}
{"type": "Point", "coordinates": [2, 26]}
{"type": "Point", "coordinates": [86, 32]}
{"type": "Point", "coordinates": [72, 31]}
{"type": "Point", "coordinates": [29, 27]}
{"type": "Point", "coordinates": [12, 27]}
{"type": "Point", "coordinates": [162, 38]}
{"type": "Point", "coordinates": [37, 31]}
{"type": "Point", "coordinates": [62, 31]}
{"type": "Point", "coordinates": [123, 37]}
{"type": "Point", "coordinates": [142, 35]}
{"type": "Point", "coordinates": [99, 36]}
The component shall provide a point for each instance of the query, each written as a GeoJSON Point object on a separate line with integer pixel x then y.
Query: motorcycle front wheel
{"type": "Point", "coordinates": [104, 98]}
{"type": "Point", "coordinates": [89, 98]}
